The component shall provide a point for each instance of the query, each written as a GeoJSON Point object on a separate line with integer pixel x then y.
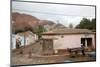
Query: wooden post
{"type": "Point", "coordinates": [30, 54]}
{"type": "Point", "coordinates": [86, 42]}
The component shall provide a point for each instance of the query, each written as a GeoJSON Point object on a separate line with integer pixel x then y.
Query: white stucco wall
{"type": "Point", "coordinates": [13, 42]}
{"type": "Point", "coordinates": [28, 40]}
{"type": "Point", "coordinates": [69, 41]}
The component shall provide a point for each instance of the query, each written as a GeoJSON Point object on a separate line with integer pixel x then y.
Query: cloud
{"type": "Point", "coordinates": [65, 14]}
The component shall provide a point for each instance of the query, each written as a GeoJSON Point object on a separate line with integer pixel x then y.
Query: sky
{"type": "Point", "coordinates": [59, 13]}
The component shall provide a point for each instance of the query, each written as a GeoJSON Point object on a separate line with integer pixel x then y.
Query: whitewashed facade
{"type": "Point", "coordinates": [70, 40]}
{"type": "Point", "coordinates": [24, 39]}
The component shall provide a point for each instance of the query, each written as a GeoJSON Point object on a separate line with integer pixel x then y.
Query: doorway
{"type": "Point", "coordinates": [87, 42]}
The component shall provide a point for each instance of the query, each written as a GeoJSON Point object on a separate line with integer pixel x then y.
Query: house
{"type": "Point", "coordinates": [71, 38]}
{"type": "Point", "coordinates": [47, 46]}
{"type": "Point", "coordinates": [25, 38]}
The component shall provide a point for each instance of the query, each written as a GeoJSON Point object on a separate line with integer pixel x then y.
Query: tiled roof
{"type": "Point", "coordinates": [68, 31]}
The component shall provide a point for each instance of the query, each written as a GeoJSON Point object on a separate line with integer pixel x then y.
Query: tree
{"type": "Point", "coordinates": [84, 23]}
{"type": "Point", "coordinates": [87, 24]}
{"type": "Point", "coordinates": [70, 25]}
{"type": "Point", "coordinates": [40, 29]}
{"type": "Point", "coordinates": [93, 23]}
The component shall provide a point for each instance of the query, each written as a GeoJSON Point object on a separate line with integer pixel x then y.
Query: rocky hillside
{"type": "Point", "coordinates": [22, 22]}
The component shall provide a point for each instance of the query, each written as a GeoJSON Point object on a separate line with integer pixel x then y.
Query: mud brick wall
{"type": "Point", "coordinates": [35, 48]}
{"type": "Point", "coordinates": [62, 51]}
{"type": "Point", "coordinates": [48, 52]}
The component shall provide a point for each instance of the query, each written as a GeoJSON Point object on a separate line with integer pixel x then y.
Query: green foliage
{"type": "Point", "coordinates": [70, 25]}
{"type": "Point", "coordinates": [39, 30]}
{"type": "Point", "coordinates": [87, 24]}
{"type": "Point", "coordinates": [93, 24]}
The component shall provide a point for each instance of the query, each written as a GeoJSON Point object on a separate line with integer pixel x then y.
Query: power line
{"type": "Point", "coordinates": [54, 3]}
{"type": "Point", "coordinates": [48, 13]}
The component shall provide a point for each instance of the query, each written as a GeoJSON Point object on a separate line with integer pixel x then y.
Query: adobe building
{"type": "Point", "coordinates": [25, 38]}
{"type": "Point", "coordinates": [71, 38]}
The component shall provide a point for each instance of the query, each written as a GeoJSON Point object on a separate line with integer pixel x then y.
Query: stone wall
{"type": "Point", "coordinates": [35, 48]}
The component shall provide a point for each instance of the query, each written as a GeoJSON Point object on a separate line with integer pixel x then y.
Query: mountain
{"type": "Point", "coordinates": [49, 25]}
{"type": "Point", "coordinates": [23, 22]}
{"type": "Point", "coordinates": [46, 22]}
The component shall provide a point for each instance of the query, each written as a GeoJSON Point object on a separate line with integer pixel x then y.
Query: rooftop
{"type": "Point", "coordinates": [68, 31]}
